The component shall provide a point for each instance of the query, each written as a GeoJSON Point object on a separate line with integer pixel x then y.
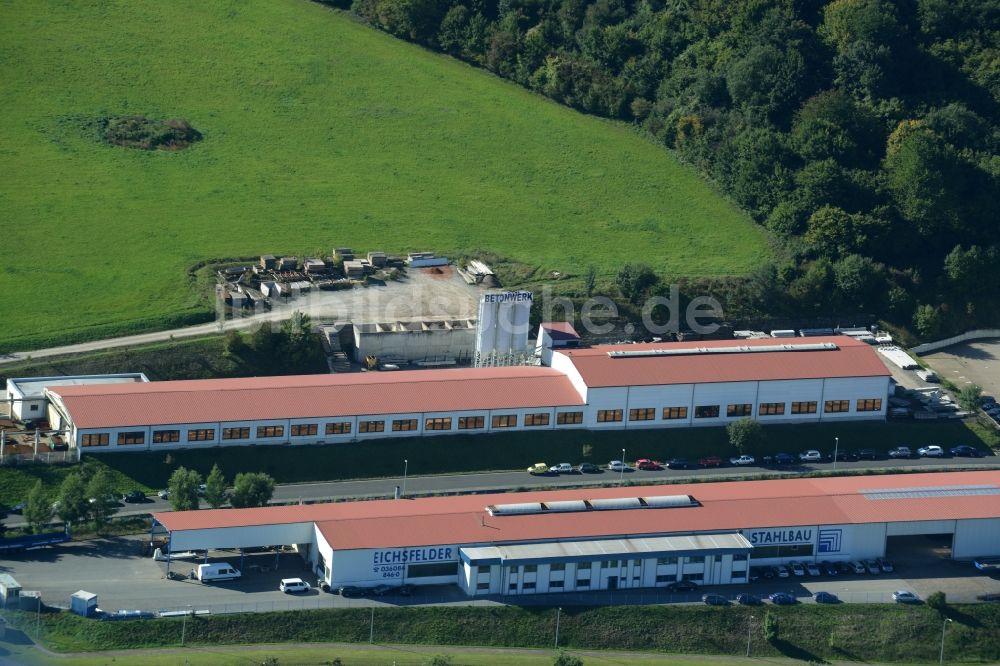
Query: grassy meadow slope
{"type": "Point", "coordinates": [318, 132]}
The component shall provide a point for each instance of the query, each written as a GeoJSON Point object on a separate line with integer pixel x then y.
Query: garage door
{"type": "Point", "coordinates": [920, 527]}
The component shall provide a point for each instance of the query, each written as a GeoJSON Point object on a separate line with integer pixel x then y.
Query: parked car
{"type": "Point", "coordinates": [781, 599]}
{"type": "Point", "coordinates": [932, 451]}
{"type": "Point", "coordinates": [812, 569]}
{"type": "Point", "coordinates": [618, 466]}
{"type": "Point", "coordinates": [781, 571]}
{"type": "Point", "coordinates": [682, 586]}
{"type": "Point", "coordinates": [900, 452]}
{"type": "Point", "coordinates": [382, 590]}
{"type": "Point", "coordinates": [829, 568]}
{"type": "Point", "coordinates": [202, 489]}
{"type": "Point", "coordinates": [858, 567]}
{"type": "Point", "coordinates": [163, 494]}
{"type": "Point", "coordinates": [134, 497]}
{"type": "Point", "coordinates": [965, 451]}
{"type": "Point", "coordinates": [59, 446]}
{"type": "Point", "coordinates": [589, 468]}
{"type": "Point", "coordinates": [783, 459]}
{"type": "Point", "coordinates": [710, 461]}
{"type": "Point", "coordinates": [844, 456]}
{"type": "Point", "coordinates": [868, 454]}
{"type": "Point", "coordinates": [747, 599]}
{"type": "Point", "coordinates": [742, 460]}
{"type": "Point", "coordinates": [812, 455]}
{"type": "Point", "coordinates": [17, 508]}
{"type": "Point", "coordinates": [844, 567]}
{"type": "Point", "coordinates": [905, 597]}
{"type": "Point", "coordinates": [797, 569]}
{"type": "Point", "coordinates": [826, 598]}
{"type": "Point", "coordinates": [351, 591]}
{"type": "Point", "coordinates": [872, 567]}
{"type": "Point", "coordinates": [679, 463]}
{"type": "Point", "coordinates": [715, 600]}
{"type": "Point", "coordinates": [886, 566]}
{"type": "Point", "coordinates": [405, 590]}
{"type": "Point", "coordinates": [562, 468]}
{"type": "Point", "coordinates": [647, 464]}
{"type": "Point", "coordinates": [293, 585]}
{"type": "Point", "coordinates": [538, 468]}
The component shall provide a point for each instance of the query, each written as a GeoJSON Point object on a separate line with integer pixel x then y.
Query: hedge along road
{"type": "Point", "coordinates": [421, 295]}
{"type": "Point", "coordinates": [505, 481]}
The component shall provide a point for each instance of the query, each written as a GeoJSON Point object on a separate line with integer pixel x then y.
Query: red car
{"type": "Point", "coordinates": [710, 461]}
{"type": "Point", "coordinates": [647, 464]}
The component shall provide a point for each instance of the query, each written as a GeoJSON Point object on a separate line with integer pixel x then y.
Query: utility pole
{"type": "Point", "coordinates": [406, 466]}
{"type": "Point", "coordinates": [621, 473]}
{"type": "Point", "coordinates": [749, 628]}
{"type": "Point", "coordinates": [944, 625]}
{"type": "Point", "coordinates": [371, 628]}
{"type": "Point", "coordinates": [558, 613]}
{"type": "Point", "coordinates": [836, 448]}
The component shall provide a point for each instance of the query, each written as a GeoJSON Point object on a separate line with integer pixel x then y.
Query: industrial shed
{"type": "Point", "coordinates": [604, 387]}
{"type": "Point", "coordinates": [612, 538]}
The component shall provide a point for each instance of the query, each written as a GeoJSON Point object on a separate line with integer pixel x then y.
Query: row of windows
{"type": "Point", "coordinates": [478, 422]}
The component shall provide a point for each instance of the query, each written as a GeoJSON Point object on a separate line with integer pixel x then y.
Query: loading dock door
{"type": "Point", "coordinates": [919, 548]}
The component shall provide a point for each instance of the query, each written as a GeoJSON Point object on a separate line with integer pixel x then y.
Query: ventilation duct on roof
{"type": "Point", "coordinates": [615, 504]}
{"type": "Point", "coordinates": [930, 491]}
{"type": "Point", "coordinates": [742, 349]}
{"type": "Point", "coordinates": [668, 501]}
{"type": "Point", "coordinates": [515, 509]}
{"type": "Point", "coordinates": [566, 506]}
{"type": "Point", "coordinates": [604, 504]}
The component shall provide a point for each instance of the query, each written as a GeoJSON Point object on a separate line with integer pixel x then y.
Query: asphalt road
{"type": "Point", "coordinates": [505, 481]}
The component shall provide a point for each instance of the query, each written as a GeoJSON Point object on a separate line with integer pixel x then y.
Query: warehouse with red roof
{"type": "Point", "coordinates": [655, 385]}
{"type": "Point", "coordinates": [611, 538]}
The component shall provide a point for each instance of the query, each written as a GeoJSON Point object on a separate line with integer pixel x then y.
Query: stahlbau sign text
{"type": "Point", "coordinates": [781, 537]}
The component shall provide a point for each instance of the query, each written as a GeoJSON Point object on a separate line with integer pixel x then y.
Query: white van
{"type": "Point", "coordinates": [210, 573]}
{"type": "Point", "coordinates": [292, 585]}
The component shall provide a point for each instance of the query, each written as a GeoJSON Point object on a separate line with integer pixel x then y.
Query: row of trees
{"type": "Point", "coordinates": [862, 133]}
{"type": "Point", "coordinates": [249, 489]}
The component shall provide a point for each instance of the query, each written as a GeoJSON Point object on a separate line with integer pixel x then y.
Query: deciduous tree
{"type": "Point", "coordinates": [183, 487]}
{"type": "Point", "coordinates": [251, 489]}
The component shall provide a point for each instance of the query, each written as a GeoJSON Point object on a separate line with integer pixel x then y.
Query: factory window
{"type": "Point", "coordinates": [869, 405]}
{"type": "Point", "coordinates": [483, 587]}
{"type": "Point", "coordinates": [695, 559]}
{"type": "Point", "coordinates": [609, 564]}
{"type": "Point", "coordinates": [557, 566]}
{"type": "Point", "coordinates": [404, 424]}
{"type": "Point", "coordinates": [642, 414]}
{"type": "Point", "coordinates": [583, 582]}
{"type": "Point", "coordinates": [609, 415]}
{"type": "Point", "coordinates": [471, 422]}
{"type": "Point", "coordinates": [804, 407]}
{"type": "Point", "coordinates": [528, 586]}
{"type": "Point", "coordinates": [583, 566]}
{"type": "Point", "coordinates": [201, 435]}
{"type": "Point", "coordinates": [371, 426]}
{"type": "Point", "coordinates": [569, 418]}
{"type": "Point", "coordinates": [236, 433]}
{"type": "Point", "coordinates": [664, 561]}
{"type": "Point", "coordinates": [706, 412]}
{"type": "Point", "coordinates": [270, 431]}
{"type": "Point", "coordinates": [34, 408]}
{"type": "Point", "coordinates": [304, 429]}
{"type": "Point", "coordinates": [771, 409]}
{"type": "Point", "coordinates": [166, 436]}
{"type": "Point", "coordinates": [536, 419]}
{"type": "Point", "coordinates": [437, 424]}
{"type": "Point", "coordinates": [431, 570]}
{"type": "Point", "coordinates": [505, 421]}
{"type": "Point", "coordinates": [530, 568]}
{"type": "Point", "coordinates": [739, 410]}
{"type": "Point", "coordinates": [671, 413]}
{"type": "Point", "coordinates": [805, 550]}
{"type": "Point", "coordinates": [665, 578]}
{"type": "Point", "coordinates": [836, 406]}
{"type": "Point", "coordinates": [512, 587]}
{"type": "Point", "coordinates": [555, 583]}
{"type": "Point", "coordinates": [102, 439]}
{"type": "Point", "coordinates": [338, 428]}
{"type": "Point", "coordinates": [126, 438]}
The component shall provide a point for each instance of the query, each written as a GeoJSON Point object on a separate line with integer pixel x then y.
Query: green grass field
{"type": "Point", "coordinates": [318, 132]}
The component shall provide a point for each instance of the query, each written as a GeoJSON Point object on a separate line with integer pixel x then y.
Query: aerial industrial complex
{"type": "Point", "coordinates": [653, 385]}
{"type": "Point", "coordinates": [611, 538]}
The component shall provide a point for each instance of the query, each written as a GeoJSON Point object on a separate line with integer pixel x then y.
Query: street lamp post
{"type": "Point", "coordinates": [749, 628]}
{"type": "Point", "coordinates": [836, 448]}
{"type": "Point", "coordinates": [944, 625]}
{"type": "Point", "coordinates": [558, 613]}
{"type": "Point", "coordinates": [184, 624]}
{"type": "Point", "coordinates": [406, 466]}
{"type": "Point", "coordinates": [621, 471]}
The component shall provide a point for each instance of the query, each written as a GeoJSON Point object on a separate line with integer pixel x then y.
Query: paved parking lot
{"type": "Point", "coordinates": [970, 363]}
{"type": "Point", "coordinates": [122, 579]}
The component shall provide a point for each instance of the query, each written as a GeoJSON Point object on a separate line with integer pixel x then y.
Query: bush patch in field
{"type": "Point", "coordinates": [147, 134]}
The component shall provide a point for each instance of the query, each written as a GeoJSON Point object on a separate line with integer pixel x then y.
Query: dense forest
{"type": "Point", "coordinates": [862, 133]}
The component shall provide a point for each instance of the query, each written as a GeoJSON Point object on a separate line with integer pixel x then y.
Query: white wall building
{"type": "Point", "coordinates": [604, 387]}
{"type": "Point", "coordinates": [26, 399]}
{"type": "Point", "coordinates": [612, 538]}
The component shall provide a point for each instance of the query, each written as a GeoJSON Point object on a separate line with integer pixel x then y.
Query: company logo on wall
{"type": "Point", "coordinates": [829, 540]}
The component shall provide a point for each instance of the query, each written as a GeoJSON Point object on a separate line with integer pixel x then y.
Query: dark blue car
{"type": "Point", "coordinates": [781, 599]}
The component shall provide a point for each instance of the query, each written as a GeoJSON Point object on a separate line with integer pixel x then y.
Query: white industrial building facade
{"type": "Point", "coordinates": [603, 387]}
{"type": "Point", "coordinates": [611, 538]}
